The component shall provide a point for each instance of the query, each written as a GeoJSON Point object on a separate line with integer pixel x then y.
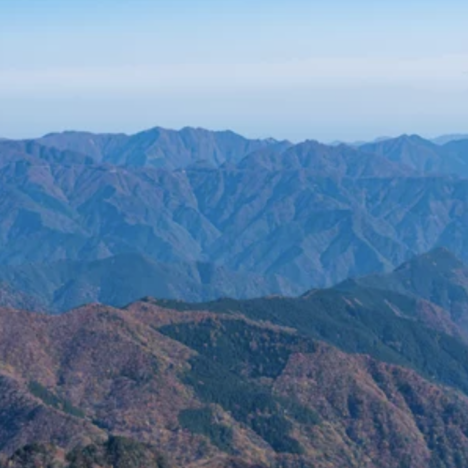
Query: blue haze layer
{"type": "Point", "coordinates": [296, 69]}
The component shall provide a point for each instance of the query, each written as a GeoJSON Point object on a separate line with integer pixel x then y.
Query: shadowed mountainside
{"type": "Point", "coordinates": [16, 299]}
{"type": "Point", "coordinates": [121, 279]}
{"type": "Point", "coordinates": [438, 277]}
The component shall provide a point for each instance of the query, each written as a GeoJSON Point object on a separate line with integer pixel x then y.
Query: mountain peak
{"type": "Point", "coordinates": [406, 138]}
{"type": "Point", "coordinates": [422, 155]}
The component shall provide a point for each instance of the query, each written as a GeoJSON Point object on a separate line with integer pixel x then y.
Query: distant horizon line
{"type": "Point", "coordinates": [335, 142]}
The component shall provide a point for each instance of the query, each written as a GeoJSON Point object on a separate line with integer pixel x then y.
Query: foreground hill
{"type": "Point", "coordinates": [353, 376]}
{"type": "Point", "coordinates": [210, 387]}
{"type": "Point", "coordinates": [117, 452]}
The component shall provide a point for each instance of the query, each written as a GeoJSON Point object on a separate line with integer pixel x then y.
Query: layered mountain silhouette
{"type": "Point", "coordinates": [351, 376]}
{"type": "Point", "coordinates": [191, 240]}
{"type": "Point", "coordinates": [298, 216]}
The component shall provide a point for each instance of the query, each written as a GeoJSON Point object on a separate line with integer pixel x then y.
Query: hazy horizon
{"type": "Point", "coordinates": [290, 70]}
{"type": "Point", "coordinates": [253, 136]}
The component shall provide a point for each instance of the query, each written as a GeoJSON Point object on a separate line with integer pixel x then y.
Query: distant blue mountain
{"type": "Point", "coordinates": [442, 140]}
{"type": "Point", "coordinates": [158, 147]}
{"type": "Point", "coordinates": [298, 216]}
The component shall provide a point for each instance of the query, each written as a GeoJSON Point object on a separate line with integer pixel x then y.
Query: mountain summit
{"type": "Point", "coordinates": [158, 147]}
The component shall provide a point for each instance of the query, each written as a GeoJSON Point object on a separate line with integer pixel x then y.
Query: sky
{"type": "Point", "coordinates": [296, 69]}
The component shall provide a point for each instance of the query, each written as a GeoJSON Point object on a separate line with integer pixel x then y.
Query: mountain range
{"type": "Point", "coordinates": [214, 214]}
{"type": "Point", "coordinates": [199, 299]}
{"type": "Point", "coordinates": [358, 375]}
{"type": "Point", "coordinates": [440, 140]}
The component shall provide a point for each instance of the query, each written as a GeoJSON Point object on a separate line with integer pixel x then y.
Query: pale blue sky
{"type": "Point", "coordinates": [291, 69]}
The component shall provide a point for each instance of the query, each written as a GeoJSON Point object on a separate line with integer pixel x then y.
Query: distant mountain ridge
{"type": "Point", "coordinates": [423, 155]}
{"type": "Point", "coordinates": [158, 147]}
{"type": "Point", "coordinates": [310, 214]}
{"type": "Point", "coordinates": [342, 161]}
{"type": "Point", "coordinates": [171, 149]}
{"type": "Point", "coordinates": [443, 139]}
